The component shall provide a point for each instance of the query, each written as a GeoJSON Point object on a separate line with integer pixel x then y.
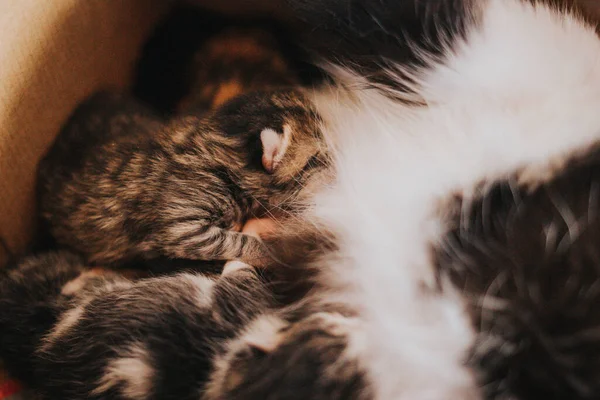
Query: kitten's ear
{"type": "Point", "coordinates": [274, 146]}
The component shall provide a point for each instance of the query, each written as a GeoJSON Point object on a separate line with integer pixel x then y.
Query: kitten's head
{"type": "Point", "coordinates": [279, 129]}
{"type": "Point", "coordinates": [307, 359]}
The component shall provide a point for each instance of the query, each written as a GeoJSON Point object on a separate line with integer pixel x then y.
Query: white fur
{"type": "Point", "coordinates": [133, 371]}
{"type": "Point", "coordinates": [519, 95]}
{"type": "Point", "coordinates": [264, 333]}
{"type": "Point", "coordinates": [76, 285]}
{"type": "Point", "coordinates": [67, 321]}
{"type": "Point", "coordinates": [234, 266]}
{"type": "Point", "coordinates": [204, 286]}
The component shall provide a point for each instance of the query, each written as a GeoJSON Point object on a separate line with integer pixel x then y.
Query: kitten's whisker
{"type": "Point", "coordinates": [592, 210]}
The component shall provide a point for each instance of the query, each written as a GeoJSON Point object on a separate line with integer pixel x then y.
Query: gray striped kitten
{"type": "Point", "coordinates": [73, 333]}
{"type": "Point", "coordinates": [120, 185]}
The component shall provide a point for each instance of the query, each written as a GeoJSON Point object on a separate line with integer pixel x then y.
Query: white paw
{"type": "Point", "coordinates": [233, 266]}
{"type": "Point", "coordinates": [76, 285]}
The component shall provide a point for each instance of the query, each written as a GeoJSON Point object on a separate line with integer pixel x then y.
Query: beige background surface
{"type": "Point", "coordinates": [52, 54]}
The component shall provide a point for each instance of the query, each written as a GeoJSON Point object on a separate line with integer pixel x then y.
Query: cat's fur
{"type": "Point", "coordinates": [462, 225]}
{"type": "Point", "coordinates": [197, 56]}
{"type": "Point", "coordinates": [186, 336]}
{"type": "Point", "coordinates": [465, 238]}
{"type": "Point", "coordinates": [233, 62]}
{"type": "Point", "coordinates": [119, 184]}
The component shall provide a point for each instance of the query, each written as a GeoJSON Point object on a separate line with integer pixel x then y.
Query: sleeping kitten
{"type": "Point", "coordinates": [236, 61]}
{"type": "Point", "coordinates": [69, 333]}
{"type": "Point", "coordinates": [119, 184]}
{"type": "Point", "coordinates": [72, 333]}
{"type": "Point", "coordinates": [464, 210]}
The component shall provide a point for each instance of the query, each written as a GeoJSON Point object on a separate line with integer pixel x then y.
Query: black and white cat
{"type": "Point", "coordinates": [466, 203]}
{"type": "Point", "coordinates": [462, 255]}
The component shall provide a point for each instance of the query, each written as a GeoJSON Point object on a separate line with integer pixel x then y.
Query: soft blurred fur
{"type": "Point", "coordinates": [186, 336]}
{"type": "Point", "coordinates": [459, 256]}
{"type": "Point", "coordinates": [464, 207]}
{"type": "Point", "coordinates": [119, 184]}
{"type": "Point", "coordinates": [236, 61]}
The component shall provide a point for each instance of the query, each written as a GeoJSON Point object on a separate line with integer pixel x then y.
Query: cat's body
{"type": "Point", "coordinates": [186, 336]}
{"type": "Point", "coordinates": [462, 226]}
{"type": "Point", "coordinates": [119, 184]}
{"type": "Point", "coordinates": [121, 338]}
{"type": "Point", "coordinates": [470, 240]}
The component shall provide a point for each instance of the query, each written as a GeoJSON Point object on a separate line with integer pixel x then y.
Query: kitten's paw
{"type": "Point", "coordinates": [75, 286]}
{"type": "Point", "coordinates": [234, 266]}
{"type": "Point", "coordinates": [260, 227]}
{"type": "Point", "coordinates": [258, 254]}
{"type": "Point", "coordinates": [98, 279]}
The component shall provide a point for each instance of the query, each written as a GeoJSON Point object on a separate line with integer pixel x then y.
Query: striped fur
{"type": "Point", "coordinates": [185, 336]}
{"type": "Point", "coordinates": [119, 184]}
{"type": "Point", "coordinates": [460, 232]}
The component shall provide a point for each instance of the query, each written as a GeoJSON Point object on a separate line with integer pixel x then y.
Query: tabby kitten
{"type": "Point", "coordinates": [235, 61]}
{"type": "Point", "coordinates": [465, 214]}
{"type": "Point", "coordinates": [116, 338]}
{"type": "Point", "coordinates": [119, 184]}
{"type": "Point", "coordinates": [72, 333]}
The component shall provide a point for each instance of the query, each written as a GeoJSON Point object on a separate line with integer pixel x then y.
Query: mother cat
{"type": "Point", "coordinates": [462, 258]}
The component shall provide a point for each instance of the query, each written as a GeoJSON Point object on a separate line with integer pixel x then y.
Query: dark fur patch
{"type": "Point", "coordinates": [295, 252]}
{"type": "Point", "coordinates": [528, 262]}
{"type": "Point", "coordinates": [166, 317]}
{"type": "Point", "coordinates": [370, 36]}
{"type": "Point", "coordinates": [180, 325]}
{"type": "Point", "coordinates": [309, 362]}
{"type": "Point", "coordinates": [169, 64]}
{"type": "Point", "coordinates": [29, 305]}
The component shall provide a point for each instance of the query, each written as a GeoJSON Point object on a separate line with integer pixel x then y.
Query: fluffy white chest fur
{"type": "Point", "coordinates": [513, 100]}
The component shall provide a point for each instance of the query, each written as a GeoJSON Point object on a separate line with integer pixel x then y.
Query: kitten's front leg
{"type": "Point", "coordinates": [215, 243]}
{"type": "Point", "coordinates": [252, 228]}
